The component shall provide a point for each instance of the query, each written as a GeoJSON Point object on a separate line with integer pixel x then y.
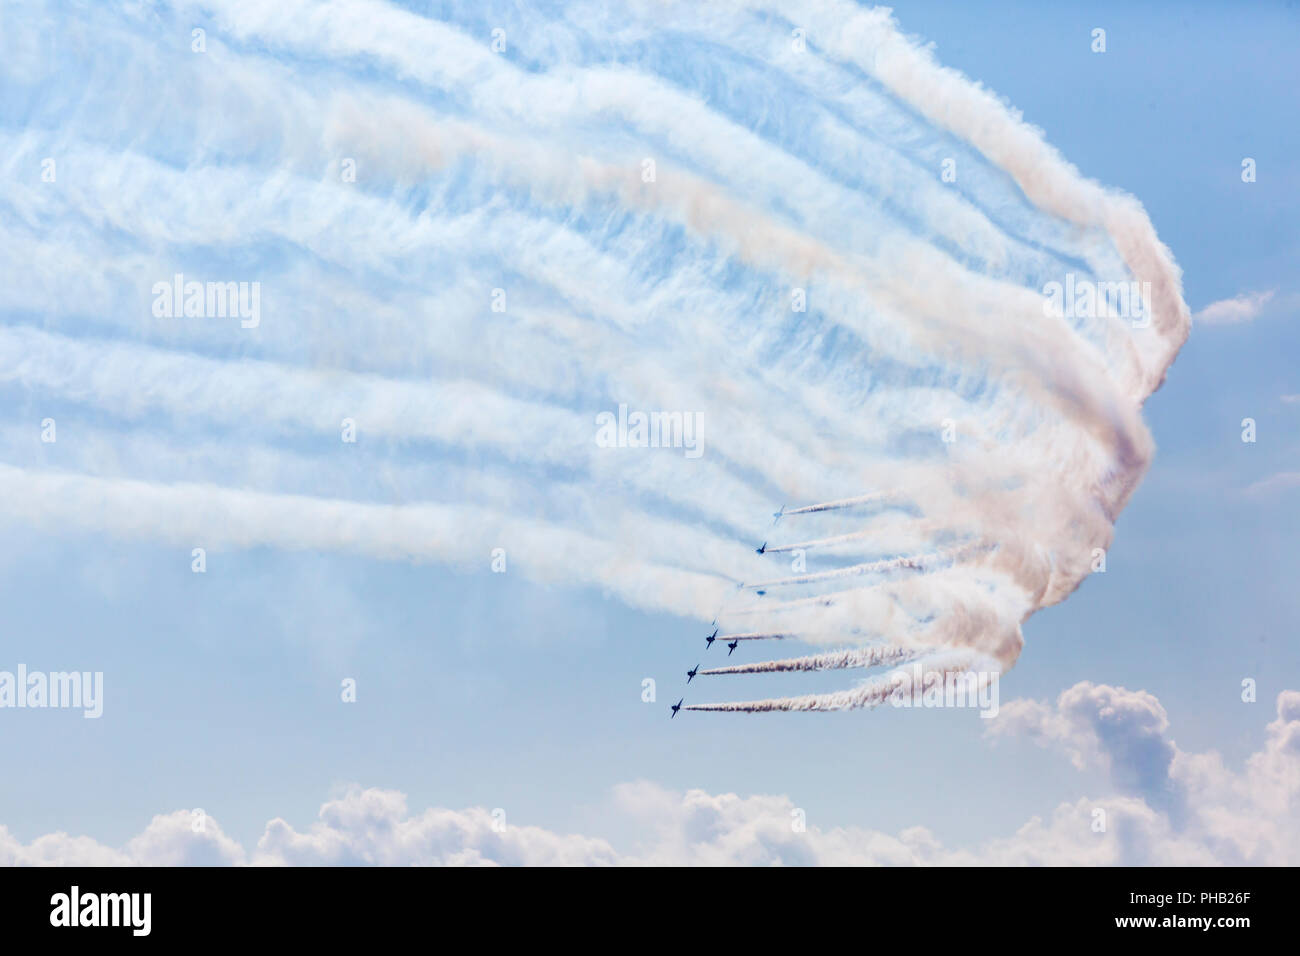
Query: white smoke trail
{"type": "Point", "coordinates": [871, 693]}
{"type": "Point", "coordinates": [840, 504]}
{"type": "Point", "coordinates": [818, 542]}
{"type": "Point", "coordinates": [778, 606]}
{"type": "Point", "coordinates": [789, 268]}
{"type": "Point", "coordinates": [219, 518]}
{"type": "Point", "coordinates": [877, 533]}
{"type": "Point", "coordinates": [839, 660]}
{"type": "Point", "coordinates": [918, 561]}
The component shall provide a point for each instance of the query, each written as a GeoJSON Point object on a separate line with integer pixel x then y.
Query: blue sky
{"type": "Point", "coordinates": [523, 690]}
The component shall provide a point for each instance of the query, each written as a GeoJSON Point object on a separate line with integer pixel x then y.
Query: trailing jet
{"type": "Point", "coordinates": [762, 549]}
{"type": "Point", "coordinates": [730, 647]}
{"type": "Point", "coordinates": [690, 675]}
{"type": "Point", "coordinates": [676, 707]}
{"type": "Point", "coordinates": [708, 641]}
{"type": "Point", "coordinates": [776, 515]}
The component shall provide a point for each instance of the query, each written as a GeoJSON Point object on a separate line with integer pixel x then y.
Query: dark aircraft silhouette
{"type": "Point", "coordinates": [708, 641]}
{"type": "Point", "coordinates": [677, 706]}
{"type": "Point", "coordinates": [730, 647]}
{"type": "Point", "coordinates": [690, 675]}
{"type": "Point", "coordinates": [762, 549]}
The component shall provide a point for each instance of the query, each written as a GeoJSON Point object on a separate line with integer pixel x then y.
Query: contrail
{"type": "Point", "coordinates": [869, 694]}
{"type": "Point", "coordinates": [827, 542]}
{"type": "Point", "coordinates": [819, 542]}
{"type": "Point", "coordinates": [782, 606]}
{"type": "Point", "coordinates": [835, 660]}
{"type": "Point", "coordinates": [870, 567]}
{"type": "Point", "coordinates": [837, 505]}
{"type": "Point", "coordinates": [828, 599]}
{"type": "Point", "coordinates": [223, 518]}
{"type": "Point", "coordinates": [375, 300]}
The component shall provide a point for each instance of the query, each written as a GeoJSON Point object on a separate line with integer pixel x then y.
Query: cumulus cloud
{"type": "Point", "coordinates": [1169, 806]}
{"type": "Point", "coordinates": [1177, 806]}
{"type": "Point", "coordinates": [174, 839]}
{"type": "Point", "coordinates": [181, 839]}
{"type": "Point", "coordinates": [1120, 730]}
{"type": "Point", "coordinates": [374, 827]}
{"type": "Point", "coordinates": [1240, 308]}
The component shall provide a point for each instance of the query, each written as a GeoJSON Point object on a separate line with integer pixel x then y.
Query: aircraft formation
{"type": "Point", "coordinates": [862, 656]}
{"type": "Point", "coordinates": [762, 589]}
{"type": "Point", "coordinates": [736, 639]}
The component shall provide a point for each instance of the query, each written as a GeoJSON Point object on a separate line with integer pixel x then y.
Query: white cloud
{"type": "Point", "coordinates": [1240, 308]}
{"type": "Point", "coordinates": [1120, 730]}
{"type": "Point", "coordinates": [1278, 482]}
{"type": "Point", "coordinates": [374, 827]}
{"type": "Point", "coordinates": [1179, 807]}
{"type": "Point", "coordinates": [169, 840]}
{"type": "Point", "coordinates": [1170, 807]}
{"type": "Point", "coordinates": [58, 849]}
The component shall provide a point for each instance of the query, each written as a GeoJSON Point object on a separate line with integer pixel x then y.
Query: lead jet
{"type": "Point", "coordinates": [690, 675]}
{"type": "Point", "coordinates": [676, 707]}
{"type": "Point", "coordinates": [730, 647]}
{"type": "Point", "coordinates": [708, 641]}
{"type": "Point", "coordinates": [761, 549]}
